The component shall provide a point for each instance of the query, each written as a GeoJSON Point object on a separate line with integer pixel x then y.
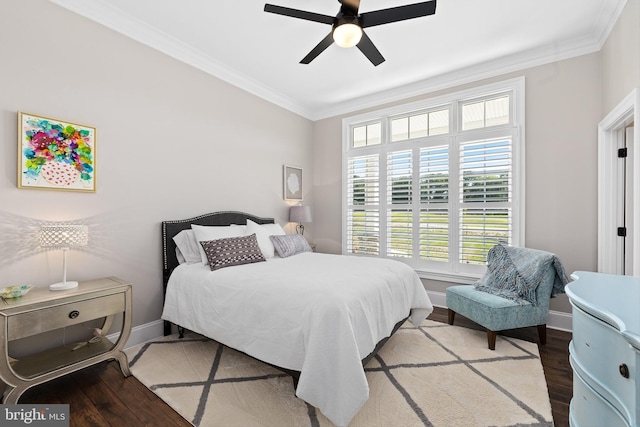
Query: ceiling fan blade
{"type": "Point", "coordinates": [325, 43]}
{"type": "Point", "coordinates": [301, 14]}
{"type": "Point", "coordinates": [372, 53]}
{"type": "Point", "coordinates": [395, 14]}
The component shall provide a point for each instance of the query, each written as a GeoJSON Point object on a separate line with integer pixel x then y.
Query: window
{"type": "Point", "coordinates": [485, 197]}
{"type": "Point", "coordinates": [366, 135]}
{"type": "Point", "coordinates": [484, 113]}
{"type": "Point", "coordinates": [419, 125]}
{"type": "Point", "coordinates": [437, 183]}
{"type": "Point", "coordinates": [362, 216]}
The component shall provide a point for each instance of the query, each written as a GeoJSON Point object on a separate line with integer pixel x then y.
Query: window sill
{"type": "Point", "coordinates": [465, 279]}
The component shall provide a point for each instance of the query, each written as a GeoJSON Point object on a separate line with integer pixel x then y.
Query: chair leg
{"type": "Point", "coordinates": [451, 316]}
{"type": "Point", "coordinates": [491, 339]}
{"type": "Point", "coordinates": [542, 333]}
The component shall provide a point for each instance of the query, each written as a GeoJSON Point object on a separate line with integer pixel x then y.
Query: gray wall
{"type": "Point", "coordinates": [621, 58]}
{"type": "Point", "coordinates": [172, 142]}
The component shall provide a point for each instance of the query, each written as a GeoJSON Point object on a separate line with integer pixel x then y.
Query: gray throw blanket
{"type": "Point", "coordinates": [515, 273]}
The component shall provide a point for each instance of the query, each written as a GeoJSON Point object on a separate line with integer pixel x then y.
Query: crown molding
{"type": "Point", "coordinates": [500, 66]}
{"type": "Point", "coordinates": [608, 16]}
{"type": "Point", "coordinates": [123, 23]}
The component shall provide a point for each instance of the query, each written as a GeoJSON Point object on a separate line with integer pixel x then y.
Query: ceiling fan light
{"type": "Point", "coordinates": [347, 35]}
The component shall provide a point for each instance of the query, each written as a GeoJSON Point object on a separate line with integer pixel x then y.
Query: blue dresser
{"type": "Point", "coordinates": [605, 350]}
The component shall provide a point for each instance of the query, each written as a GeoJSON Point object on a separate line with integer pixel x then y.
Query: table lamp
{"type": "Point", "coordinates": [63, 237]}
{"type": "Point", "coordinates": [300, 214]}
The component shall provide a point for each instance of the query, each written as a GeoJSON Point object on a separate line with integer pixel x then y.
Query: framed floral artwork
{"type": "Point", "coordinates": [55, 155]}
{"type": "Point", "coordinates": [292, 183]}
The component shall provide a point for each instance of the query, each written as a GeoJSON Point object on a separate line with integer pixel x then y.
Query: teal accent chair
{"type": "Point", "coordinates": [495, 313]}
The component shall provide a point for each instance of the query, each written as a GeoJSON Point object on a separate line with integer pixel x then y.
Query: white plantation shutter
{"type": "Point", "coordinates": [434, 234]}
{"type": "Point", "coordinates": [363, 213]}
{"type": "Point", "coordinates": [485, 197]}
{"type": "Point", "coordinates": [399, 177]}
{"type": "Point", "coordinates": [400, 233]}
{"type": "Point", "coordinates": [363, 231]}
{"type": "Point", "coordinates": [436, 184]}
{"type": "Point", "coordinates": [400, 196]}
{"type": "Point", "coordinates": [482, 229]}
{"type": "Point", "coordinates": [434, 203]}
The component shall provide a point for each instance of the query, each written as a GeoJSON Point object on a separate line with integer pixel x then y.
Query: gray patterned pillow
{"type": "Point", "coordinates": [290, 244]}
{"type": "Point", "coordinates": [232, 251]}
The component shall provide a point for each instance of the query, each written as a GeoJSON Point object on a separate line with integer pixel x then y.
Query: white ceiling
{"type": "Point", "coordinates": [260, 52]}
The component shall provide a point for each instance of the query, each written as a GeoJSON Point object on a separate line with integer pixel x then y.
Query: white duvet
{"type": "Point", "coordinates": [315, 313]}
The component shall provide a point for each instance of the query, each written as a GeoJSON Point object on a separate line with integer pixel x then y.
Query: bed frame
{"type": "Point", "coordinates": [170, 261]}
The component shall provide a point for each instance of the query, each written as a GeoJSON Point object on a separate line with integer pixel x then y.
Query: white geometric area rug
{"type": "Point", "coordinates": [434, 375]}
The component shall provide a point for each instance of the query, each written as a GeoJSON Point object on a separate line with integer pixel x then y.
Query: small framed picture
{"type": "Point", "coordinates": [55, 154]}
{"type": "Point", "coordinates": [292, 178]}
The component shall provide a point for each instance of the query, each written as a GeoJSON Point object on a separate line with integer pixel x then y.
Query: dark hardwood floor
{"type": "Point", "coordinates": [101, 396]}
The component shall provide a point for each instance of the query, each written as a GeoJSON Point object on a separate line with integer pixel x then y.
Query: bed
{"type": "Point", "coordinates": [317, 316]}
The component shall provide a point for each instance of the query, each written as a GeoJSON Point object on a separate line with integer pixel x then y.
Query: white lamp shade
{"type": "Point", "coordinates": [347, 35]}
{"type": "Point", "coordinates": [63, 236]}
{"type": "Point", "coordinates": [300, 214]}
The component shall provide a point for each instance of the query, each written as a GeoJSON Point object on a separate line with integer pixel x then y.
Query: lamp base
{"type": "Point", "coordinates": [62, 286]}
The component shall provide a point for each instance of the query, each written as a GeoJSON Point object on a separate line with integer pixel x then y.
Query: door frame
{"type": "Point", "coordinates": [610, 190]}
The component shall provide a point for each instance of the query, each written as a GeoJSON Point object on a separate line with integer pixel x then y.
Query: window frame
{"type": "Point", "coordinates": [454, 271]}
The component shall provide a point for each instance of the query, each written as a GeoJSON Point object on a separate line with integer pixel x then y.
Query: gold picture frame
{"type": "Point", "coordinates": [55, 154]}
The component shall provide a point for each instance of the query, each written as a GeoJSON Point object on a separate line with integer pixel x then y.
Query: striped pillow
{"type": "Point", "coordinates": [232, 251]}
{"type": "Point", "coordinates": [290, 244]}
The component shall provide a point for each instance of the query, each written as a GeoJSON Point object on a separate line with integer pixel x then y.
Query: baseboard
{"type": "Point", "coordinates": [142, 334]}
{"type": "Point", "coordinates": [438, 299]}
{"type": "Point", "coordinates": [560, 321]}
{"type": "Point", "coordinates": [152, 330]}
{"type": "Point", "coordinates": [557, 319]}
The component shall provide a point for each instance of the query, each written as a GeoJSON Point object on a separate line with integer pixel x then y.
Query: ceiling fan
{"type": "Point", "coordinates": [348, 25]}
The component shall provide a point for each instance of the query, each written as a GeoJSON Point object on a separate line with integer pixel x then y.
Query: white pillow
{"type": "Point", "coordinates": [262, 233]}
{"type": "Point", "coordinates": [187, 246]}
{"type": "Point", "coordinates": [205, 233]}
{"type": "Point", "coordinates": [180, 257]}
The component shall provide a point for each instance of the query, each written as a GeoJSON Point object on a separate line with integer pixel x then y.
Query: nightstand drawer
{"type": "Point", "coordinates": [38, 321]}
